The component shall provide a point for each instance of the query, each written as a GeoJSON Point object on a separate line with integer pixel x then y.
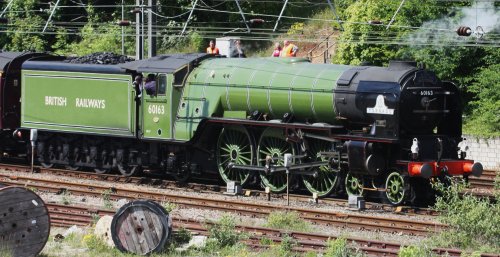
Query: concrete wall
{"type": "Point", "coordinates": [485, 151]}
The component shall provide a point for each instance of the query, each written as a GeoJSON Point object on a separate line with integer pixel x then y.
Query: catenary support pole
{"type": "Point", "coordinates": [279, 17]}
{"type": "Point", "coordinates": [138, 33]}
{"type": "Point", "coordinates": [151, 28]}
{"type": "Point", "coordinates": [396, 13]}
{"type": "Point", "coordinates": [189, 17]}
{"type": "Point", "coordinates": [6, 8]}
{"type": "Point", "coordinates": [332, 6]}
{"type": "Point", "coordinates": [123, 29]}
{"type": "Point", "coordinates": [50, 16]}
{"type": "Point", "coordinates": [242, 15]}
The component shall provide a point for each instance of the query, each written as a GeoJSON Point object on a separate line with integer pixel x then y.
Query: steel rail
{"type": "Point", "coordinates": [65, 216]}
{"type": "Point", "coordinates": [338, 219]}
{"type": "Point", "coordinates": [204, 188]}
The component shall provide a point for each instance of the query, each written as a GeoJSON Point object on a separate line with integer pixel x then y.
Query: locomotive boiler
{"type": "Point", "coordinates": [352, 129]}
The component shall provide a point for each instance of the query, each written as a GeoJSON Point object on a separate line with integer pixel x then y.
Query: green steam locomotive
{"type": "Point", "coordinates": [280, 122]}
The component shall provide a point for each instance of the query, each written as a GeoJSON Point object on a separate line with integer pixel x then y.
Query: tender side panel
{"type": "Point", "coordinates": [78, 102]}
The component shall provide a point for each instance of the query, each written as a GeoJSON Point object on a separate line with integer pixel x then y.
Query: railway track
{"type": "Point", "coordinates": [329, 218]}
{"type": "Point", "coordinates": [490, 174]}
{"type": "Point", "coordinates": [65, 216]}
{"type": "Point", "coordinates": [486, 181]}
{"type": "Point", "coordinates": [213, 188]}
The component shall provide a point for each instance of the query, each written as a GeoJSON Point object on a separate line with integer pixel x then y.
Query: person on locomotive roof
{"type": "Point", "coordinates": [150, 85]}
{"type": "Point", "coordinates": [289, 49]}
{"type": "Point", "coordinates": [238, 51]}
{"type": "Point", "coordinates": [212, 49]}
{"type": "Point", "coordinates": [277, 50]}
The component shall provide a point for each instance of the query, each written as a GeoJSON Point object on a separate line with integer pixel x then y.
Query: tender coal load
{"type": "Point", "coordinates": [101, 58]}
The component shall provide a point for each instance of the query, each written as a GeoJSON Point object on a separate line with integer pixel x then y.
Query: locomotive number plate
{"type": "Point", "coordinates": [426, 92]}
{"type": "Point", "coordinates": [156, 109]}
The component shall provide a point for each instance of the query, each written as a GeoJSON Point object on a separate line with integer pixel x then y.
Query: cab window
{"type": "Point", "coordinates": [162, 84]}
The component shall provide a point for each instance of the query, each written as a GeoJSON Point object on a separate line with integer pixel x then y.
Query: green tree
{"type": "Point", "coordinates": [23, 30]}
{"type": "Point", "coordinates": [484, 118]}
{"type": "Point", "coordinates": [374, 43]}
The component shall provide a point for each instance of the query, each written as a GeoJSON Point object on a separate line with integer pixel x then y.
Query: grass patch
{"type": "Point", "coordinates": [340, 248]}
{"type": "Point", "coordinates": [287, 221]}
{"type": "Point", "coordinates": [66, 197]}
{"type": "Point", "coordinates": [106, 198]}
{"type": "Point", "coordinates": [169, 207]}
{"type": "Point", "coordinates": [416, 251]}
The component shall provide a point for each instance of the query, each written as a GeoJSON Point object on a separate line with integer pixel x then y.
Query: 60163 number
{"type": "Point", "coordinates": [156, 109]}
{"type": "Point", "coordinates": [426, 92]}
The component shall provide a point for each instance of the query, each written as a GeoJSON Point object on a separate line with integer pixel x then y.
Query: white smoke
{"type": "Point", "coordinates": [441, 31]}
{"type": "Point", "coordinates": [482, 14]}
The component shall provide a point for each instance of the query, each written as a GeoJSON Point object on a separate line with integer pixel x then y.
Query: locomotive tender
{"type": "Point", "coordinates": [353, 128]}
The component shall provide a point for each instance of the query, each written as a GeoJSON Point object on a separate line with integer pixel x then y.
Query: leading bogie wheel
{"type": "Point", "coordinates": [234, 145]}
{"type": "Point", "coordinates": [396, 188]}
{"type": "Point", "coordinates": [272, 144]}
{"type": "Point", "coordinates": [325, 179]}
{"type": "Point", "coordinates": [354, 185]}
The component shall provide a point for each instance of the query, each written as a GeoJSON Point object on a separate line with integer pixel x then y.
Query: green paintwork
{"type": "Point", "coordinates": [111, 111]}
{"type": "Point", "coordinates": [219, 87]}
{"type": "Point", "coordinates": [156, 111]}
{"type": "Point", "coordinates": [395, 187]}
{"type": "Point", "coordinates": [354, 185]}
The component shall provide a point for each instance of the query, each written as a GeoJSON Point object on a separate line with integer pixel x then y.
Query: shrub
{"type": "Point", "coordinates": [287, 221]}
{"type": "Point", "coordinates": [340, 248]}
{"type": "Point", "coordinates": [223, 234]}
{"type": "Point", "coordinates": [181, 236]}
{"type": "Point", "coordinates": [286, 247]}
{"type": "Point", "coordinates": [474, 222]}
{"type": "Point", "coordinates": [415, 251]}
{"type": "Point", "coordinates": [106, 198]}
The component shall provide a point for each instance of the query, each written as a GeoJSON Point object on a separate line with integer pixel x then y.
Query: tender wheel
{"type": "Point", "coordinates": [104, 161]}
{"type": "Point", "coordinates": [354, 185]}
{"type": "Point", "coordinates": [102, 170]}
{"type": "Point", "coordinates": [46, 154]}
{"type": "Point", "coordinates": [127, 170]}
{"type": "Point", "coordinates": [72, 167]}
{"type": "Point", "coordinates": [325, 179]}
{"type": "Point", "coordinates": [47, 165]}
{"type": "Point", "coordinates": [273, 144]}
{"type": "Point", "coordinates": [234, 146]}
{"type": "Point", "coordinates": [396, 189]}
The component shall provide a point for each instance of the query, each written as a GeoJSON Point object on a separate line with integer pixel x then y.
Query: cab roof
{"type": "Point", "coordinates": [168, 63]}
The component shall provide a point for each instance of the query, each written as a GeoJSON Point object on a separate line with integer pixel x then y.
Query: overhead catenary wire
{"type": "Point", "coordinates": [381, 36]}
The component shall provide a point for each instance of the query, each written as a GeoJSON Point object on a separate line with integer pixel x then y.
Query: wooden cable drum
{"type": "Point", "coordinates": [24, 222]}
{"type": "Point", "coordinates": [141, 227]}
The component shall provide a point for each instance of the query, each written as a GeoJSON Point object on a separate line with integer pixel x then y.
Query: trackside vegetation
{"type": "Point", "coordinates": [473, 227]}
{"type": "Point", "coordinates": [474, 223]}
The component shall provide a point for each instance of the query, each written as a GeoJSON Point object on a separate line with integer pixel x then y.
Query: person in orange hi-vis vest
{"type": "Point", "coordinates": [211, 49]}
{"type": "Point", "coordinates": [289, 49]}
